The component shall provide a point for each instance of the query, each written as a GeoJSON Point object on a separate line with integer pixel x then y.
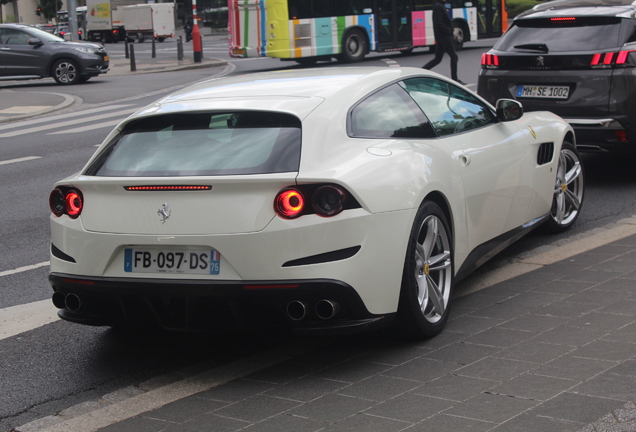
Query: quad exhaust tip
{"type": "Point", "coordinates": [324, 309]}
{"type": "Point", "coordinates": [296, 310]}
{"type": "Point", "coordinates": [69, 301]}
{"type": "Point", "coordinates": [327, 309]}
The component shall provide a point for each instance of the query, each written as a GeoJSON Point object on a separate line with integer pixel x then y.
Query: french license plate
{"type": "Point", "coordinates": [187, 261]}
{"type": "Point", "coordinates": [548, 92]}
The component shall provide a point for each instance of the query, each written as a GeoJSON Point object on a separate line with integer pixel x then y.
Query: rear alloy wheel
{"type": "Point", "coordinates": [66, 72]}
{"type": "Point", "coordinates": [427, 279]}
{"type": "Point", "coordinates": [568, 189]}
{"type": "Point", "coordinates": [354, 47]}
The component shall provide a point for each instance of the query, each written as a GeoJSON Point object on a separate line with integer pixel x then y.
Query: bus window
{"type": "Point", "coordinates": [299, 9]}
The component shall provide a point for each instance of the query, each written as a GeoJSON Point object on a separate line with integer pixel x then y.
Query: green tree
{"type": "Point", "coordinates": [49, 8]}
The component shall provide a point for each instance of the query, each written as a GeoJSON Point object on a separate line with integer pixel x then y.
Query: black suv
{"type": "Point", "coordinates": [27, 52]}
{"type": "Point", "coordinates": [576, 58]}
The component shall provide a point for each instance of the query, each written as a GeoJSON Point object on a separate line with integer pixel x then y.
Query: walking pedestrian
{"type": "Point", "coordinates": [443, 30]}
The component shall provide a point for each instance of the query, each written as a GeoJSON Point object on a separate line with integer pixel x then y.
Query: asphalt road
{"type": "Point", "coordinates": [56, 366]}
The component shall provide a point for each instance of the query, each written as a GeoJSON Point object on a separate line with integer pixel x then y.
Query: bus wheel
{"type": "Point", "coordinates": [458, 35]}
{"type": "Point", "coordinates": [354, 47]}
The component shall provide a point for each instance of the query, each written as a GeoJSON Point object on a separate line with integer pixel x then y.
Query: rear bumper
{"type": "Point", "coordinates": [212, 306]}
{"type": "Point", "coordinates": [600, 113]}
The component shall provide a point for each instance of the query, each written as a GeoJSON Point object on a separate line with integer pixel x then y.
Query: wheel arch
{"type": "Point", "coordinates": [440, 199]}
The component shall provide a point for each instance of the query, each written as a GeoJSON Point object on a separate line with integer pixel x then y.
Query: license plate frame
{"type": "Point", "coordinates": [172, 261]}
{"type": "Point", "coordinates": [543, 91]}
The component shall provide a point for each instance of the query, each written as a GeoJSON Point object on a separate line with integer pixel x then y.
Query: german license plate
{"type": "Point", "coordinates": [187, 261]}
{"type": "Point", "coordinates": [548, 92]}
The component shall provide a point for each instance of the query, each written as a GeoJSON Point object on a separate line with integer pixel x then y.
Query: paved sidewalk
{"type": "Point", "coordinates": [553, 349]}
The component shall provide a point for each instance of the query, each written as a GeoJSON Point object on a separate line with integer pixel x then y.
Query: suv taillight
{"type": "Point", "coordinates": [490, 60]}
{"type": "Point", "coordinates": [610, 59]}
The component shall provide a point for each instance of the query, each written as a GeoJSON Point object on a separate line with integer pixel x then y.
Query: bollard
{"type": "Point", "coordinates": [126, 46]}
{"type": "Point", "coordinates": [180, 49]}
{"type": "Point", "coordinates": [154, 52]}
{"type": "Point", "coordinates": [133, 66]}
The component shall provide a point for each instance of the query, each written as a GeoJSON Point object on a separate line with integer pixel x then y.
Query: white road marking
{"type": "Point", "coordinates": [68, 123]}
{"type": "Point", "coordinates": [24, 109]}
{"type": "Point", "coordinates": [87, 128]}
{"type": "Point", "coordinates": [62, 116]}
{"type": "Point", "coordinates": [24, 159]}
{"type": "Point", "coordinates": [19, 319]}
{"type": "Point", "coordinates": [25, 268]}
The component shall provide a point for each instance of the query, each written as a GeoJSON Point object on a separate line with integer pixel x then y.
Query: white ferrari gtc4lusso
{"type": "Point", "coordinates": [327, 200]}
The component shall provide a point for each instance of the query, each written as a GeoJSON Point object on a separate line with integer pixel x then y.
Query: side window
{"type": "Point", "coordinates": [389, 113]}
{"type": "Point", "coordinates": [450, 109]}
{"type": "Point", "coordinates": [14, 37]}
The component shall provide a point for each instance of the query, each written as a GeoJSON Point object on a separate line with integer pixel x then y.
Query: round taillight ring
{"type": "Point", "coordinates": [57, 202]}
{"type": "Point", "coordinates": [328, 200]}
{"type": "Point", "coordinates": [289, 203]}
{"type": "Point", "coordinates": [74, 203]}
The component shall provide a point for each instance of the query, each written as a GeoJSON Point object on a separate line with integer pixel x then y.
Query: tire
{"type": "Point", "coordinates": [568, 190]}
{"type": "Point", "coordinates": [427, 280]}
{"type": "Point", "coordinates": [458, 36]}
{"type": "Point", "coordinates": [354, 47]}
{"type": "Point", "coordinates": [140, 38]}
{"type": "Point", "coordinates": [66, 72]}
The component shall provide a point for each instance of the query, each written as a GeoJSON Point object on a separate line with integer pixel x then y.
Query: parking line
{"type": "Point", "coordinates": [24, 159]}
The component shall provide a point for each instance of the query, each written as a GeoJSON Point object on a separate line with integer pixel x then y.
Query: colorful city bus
{"type": "Point", "coordinates": [310, 30]}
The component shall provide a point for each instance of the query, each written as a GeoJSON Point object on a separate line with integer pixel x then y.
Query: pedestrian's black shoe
{"type": "Point", "coordinates": [460, 82]}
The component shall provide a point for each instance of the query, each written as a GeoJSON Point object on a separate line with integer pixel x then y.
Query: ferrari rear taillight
{"type": "Point", "coordinates": [490, 60]}
{"type": "Point", "coordinates": [325, 200]}
{"type": "Point", "coordinates": [610, 58]}
{"type": "Point", "coordinates": [66, 201]}
{"type": "Point", "coordinates": [289, 203]}
{"type": "Point", "coordinates": [328, 200]}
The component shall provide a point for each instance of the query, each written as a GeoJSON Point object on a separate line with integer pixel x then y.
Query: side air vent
{"type": "Point", "coordinates": [302, 35]}
{"type": "Point", "coordinates": [546, 151]}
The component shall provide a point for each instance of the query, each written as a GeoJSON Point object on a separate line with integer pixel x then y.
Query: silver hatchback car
{"type": "Point", "coordinates": [29, 53]}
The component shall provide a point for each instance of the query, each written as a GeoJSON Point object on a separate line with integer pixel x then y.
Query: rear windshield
{"type": "Point", "coordinates": [575, 34]}
{"type": "Point", "coordinates": [203, 144]}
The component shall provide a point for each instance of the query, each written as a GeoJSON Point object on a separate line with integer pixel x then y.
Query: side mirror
{"type": "Point", "coordinates": [35, 41]}
{"type": "Point", "coordinates": [509, 110]}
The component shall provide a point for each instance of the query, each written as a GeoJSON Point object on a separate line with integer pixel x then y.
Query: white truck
{"type": "Point", "coordinates": [103, 21]}
{"type": "Point", "coordinates": [149, 20]}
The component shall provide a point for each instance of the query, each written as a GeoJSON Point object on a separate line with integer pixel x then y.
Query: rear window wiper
{"type": "Point", "coordinates": [533, 47]}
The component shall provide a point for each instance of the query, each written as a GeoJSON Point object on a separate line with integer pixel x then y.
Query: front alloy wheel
{"type": "Point", "coordinates": [66, 72]}
{"type": "Point", "coordinates": [568, 189]}
{"type": "Point", "coordinates": [428, 275]}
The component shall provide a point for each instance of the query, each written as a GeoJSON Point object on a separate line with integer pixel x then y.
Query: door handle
{"type": "Point", "coordinates": [465, 160]}
{"type": "Point", "coordinates": [5, 49]}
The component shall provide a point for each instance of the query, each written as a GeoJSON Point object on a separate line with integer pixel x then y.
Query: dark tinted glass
{"type": "Point", "coordinates": [209, 144]}
{"type": "Point", "coordinates": [389, 113]}
{"type": "Point", "coordinates": [580, 34]}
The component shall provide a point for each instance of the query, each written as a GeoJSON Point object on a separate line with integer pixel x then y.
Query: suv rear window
{"type": "Point", "coordinates": [578, 34]}
{"type": "Point", "coordinates": [203, 144]}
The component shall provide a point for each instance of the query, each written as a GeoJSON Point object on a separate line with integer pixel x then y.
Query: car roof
{"type": "Point", "coordinates": [626, 8]}
{"type": "Point", "coordinates": [294, 91]}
